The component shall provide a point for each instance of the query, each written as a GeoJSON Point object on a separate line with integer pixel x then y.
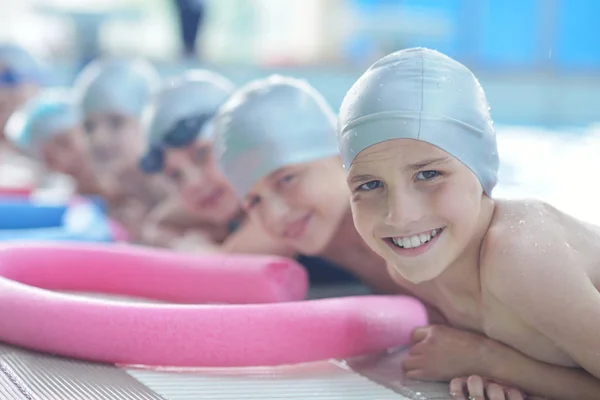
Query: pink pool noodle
{"type": "Point", "coordinates": [152, 273]}
{"type": "Point", "coordinates": [182, 335]}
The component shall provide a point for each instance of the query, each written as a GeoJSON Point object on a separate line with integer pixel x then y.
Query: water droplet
{"type": "Point", "coordinates": [439, 84]}
{"type": "Point", "coordinates": [381, 85]}
{"type": "Point", "coordinates": [521, 222]}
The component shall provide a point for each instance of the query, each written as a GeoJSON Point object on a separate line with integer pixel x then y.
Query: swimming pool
{"type": "Point", "coordinates": [556, 166]}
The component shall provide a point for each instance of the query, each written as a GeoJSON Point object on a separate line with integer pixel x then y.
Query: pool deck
{"type": "Point", "coordinates": [27, 375]}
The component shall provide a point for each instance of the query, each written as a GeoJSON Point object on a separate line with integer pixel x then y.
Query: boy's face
{"type": "Point", "coordinates": [414, 205]}
{"type": "Point", "coordinates": [204, 190]}
{"type": "Point", "coordinates": [302, 204]}
{"type": "Point", "coordinates": [65, 152]}
{"type": "Point", "coordinates": [114, 140]}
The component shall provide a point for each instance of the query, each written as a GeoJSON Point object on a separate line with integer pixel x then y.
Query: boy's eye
{"type": "Point", "coordinates": [287, 178]}
{"type": "Point", "coordinates": [89, 126]}
{"type": "Point", "coordinates": [174, 176]}
{"type": "Point", "coordinates": [371, 185]}
{"type": "Point", "coordinates": [252, 201]}
{"type": "Point", "coordinates": [427, 175]}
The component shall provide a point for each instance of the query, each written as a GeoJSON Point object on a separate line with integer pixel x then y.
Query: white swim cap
{"type": "Point", "coordinates": [271, 123]}
{"type": "Point", "coordinates": [23, 66]}
{"type": "Point", "coordinates": [116, 85]}
{"type": "Point", "coordinates": [49, 113]}
{"type": "Point", "coordinates": [180, 112]}
{"type": "Point", "coordinates": [424, 95]}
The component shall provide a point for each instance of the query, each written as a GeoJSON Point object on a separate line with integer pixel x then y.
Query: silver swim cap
{"type": "Point", "coordinates": [22, 65]}
{"type": "Point", "coordinates": [121, 86]}
{"type": "Point", "coordinates": [181, 111]}
{"type": "Point", "coordinates": [50, 113]}
{"type": "Point", "coordinates": [421, 94]}
{"type": "Point", "coordinates": [271, 123]}
{"type": "Point", "coordinates": [194, 93]}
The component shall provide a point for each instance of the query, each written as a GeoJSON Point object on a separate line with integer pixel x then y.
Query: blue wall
{"type": "Point", "coordinates": [560, 35]}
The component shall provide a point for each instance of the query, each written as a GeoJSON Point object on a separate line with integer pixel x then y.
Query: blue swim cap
{"type": "Point", "coordinates": [20, 66]}
{"type": "Point", "coordinates": [424, 95]}
{"type": "Point", "coordinates": [49, 113]}
{"type": "Point", "coordinates": [181, 111]}
{"type": "Point", "coordinates": [117, 85]}
{"type": "Point", "coordinates": [271, 123]}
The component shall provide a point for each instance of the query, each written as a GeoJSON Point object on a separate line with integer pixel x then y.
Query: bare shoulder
{"type": "Point", "coordinates": [530, 242]}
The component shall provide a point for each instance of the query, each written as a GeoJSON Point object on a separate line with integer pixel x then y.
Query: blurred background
{"type": "Point", "coordinates": [538, 60]}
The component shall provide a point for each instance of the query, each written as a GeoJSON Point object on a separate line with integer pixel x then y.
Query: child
{"type": "Point", "coordinates": [277, 146]}
{"type": "Point", "coordinates": [112, 95]}
{"type": "Point", "coordinates": [48, 129]}
{"type": "Point", "coordinates": [420, 151]}
{"type": "Point", "coordinates": [21, 76]}
{"type": "Point", "coordinates": [179, 146]}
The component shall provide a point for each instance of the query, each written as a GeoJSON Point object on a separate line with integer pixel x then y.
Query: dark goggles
{"type": "Point", "coordinates": [181, 135]}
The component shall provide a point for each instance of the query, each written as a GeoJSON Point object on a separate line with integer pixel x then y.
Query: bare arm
{"type": "Point", "coordinates": [554, 294]}
{"type": "Point", "coordinates": [507, 365]}
{"type": "Point", "coordinates": [552, 291]}
{"type": "Point", "coordinates": [250, 238]}
{"type": "Point", "coordinates": [443, 353]}
{"type": "Point", "coordinates": [161, 227]}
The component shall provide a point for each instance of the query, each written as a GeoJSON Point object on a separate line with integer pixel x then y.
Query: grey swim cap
{"type": "Point", "coordinates": [117, 85]}
{"type": "Point", "coordinates": [271, 123]}
{"type": "Point", "coordinates": [180, 112]}
{"type": "Point", "coordinates": [421, 94]}
{"type": "Point", "coordinates": [50, 113]}
{"type": "Point", "coordinates": [197, 92]}
{"type": "Point", "coordinates": [22, 64]}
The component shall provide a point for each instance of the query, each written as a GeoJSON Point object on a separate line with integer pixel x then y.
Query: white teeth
{"type": "Point", "coordinates": [410, 242]}
{"type": "Point", "coordinates": [415, 241]}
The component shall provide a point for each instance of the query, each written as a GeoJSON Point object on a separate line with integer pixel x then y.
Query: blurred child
{"type": "Point", "coordinates": [48, 128]}
{"type": "Point", "coordinates": [276, 144]}
{"type": "Point", "coordinates": [21, 76]}
{"type": "Point", "coordinates": [111, 95]}
{"type": "Point", "coordinates": [179, 147]}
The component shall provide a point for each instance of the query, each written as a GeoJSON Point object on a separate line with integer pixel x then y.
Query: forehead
{"type": "Point", "coordinates": [400, 151]}
{"type": "Point", "coordinates": [105, 116]}
{"type": "Point", "coordinates": [62, 136]}
{"type": "Point", "coordinates": [174, 153]}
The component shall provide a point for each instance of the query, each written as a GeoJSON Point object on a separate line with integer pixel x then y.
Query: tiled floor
{"type": "Point", "coordinates": [32, 376]}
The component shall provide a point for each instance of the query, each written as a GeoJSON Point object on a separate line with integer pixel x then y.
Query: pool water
{"type": "Point", "coordinates": [557, 166]}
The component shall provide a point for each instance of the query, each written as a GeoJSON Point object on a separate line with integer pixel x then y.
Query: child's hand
{"type": "Point", "coordinates": [477, 388]}
{"type": "Point", "coordinates": [441, 353]}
